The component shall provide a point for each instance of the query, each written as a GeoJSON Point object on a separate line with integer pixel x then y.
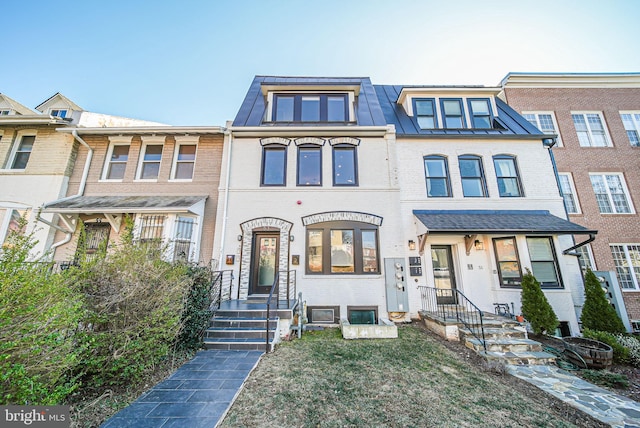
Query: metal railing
{"type": "Point", "coordinates": [222, 283]}
{"type": "Point", "coordinates": [289, 292]}
{"type": "Point", "coordinates": [274, 286]}
{"type": "Point", "coordinates": [453, 304]}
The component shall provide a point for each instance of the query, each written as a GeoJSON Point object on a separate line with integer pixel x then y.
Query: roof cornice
{"type": "Point", "coordinates": [147, 130]}
{"type": "Point", "coordinates": [571, 80]}
{"type": "Point", "coordinates": [311, 131]}
{"type": "Point", "coordinates": [32, 120]}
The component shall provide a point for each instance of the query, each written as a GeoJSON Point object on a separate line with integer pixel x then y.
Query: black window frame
{"type": "Point", "coordinates": [273, 148]}
{"type": "Point", "coordinates": [557, 285]}
{"type": "Point", "coordinates": [307, 147]}
{"type": "Point", "coordinates": [445, 115]}
{"type": "Point", "coordinates": [345, 147]}
{"type": "Point", "coordinates": [516, 177]}
{"type": "Point", "coordinates": [358, 253]}
{"type": "Point", "coordinates": [511, 284]}
{"type": "Point", "coordinates": [473, 115]}
{"type": "Point", "coordinates": [418, 116]}
{"type": "Point", "coordinates": [297, 107]}
{"type": "Point", "coordinates": [447, 176]}
{"type": "Point", "coordinates": [482, 177]}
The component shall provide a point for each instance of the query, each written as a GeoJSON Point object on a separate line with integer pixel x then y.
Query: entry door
{"type": "Point", "coordinates": [264, 262]}
{"type": "Point", "coordinates": [443, 273]}
{"type": "Point", "coordinates": [95, 238]}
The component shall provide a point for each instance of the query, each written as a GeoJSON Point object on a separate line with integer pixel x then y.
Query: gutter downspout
{"type": "Point", "coordinates": [83, 182]}
{"type": "Point", "coordinates": [226, 198]}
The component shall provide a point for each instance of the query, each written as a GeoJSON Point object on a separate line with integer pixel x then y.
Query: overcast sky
{"type": "Point", "coordinates": [191, 62]}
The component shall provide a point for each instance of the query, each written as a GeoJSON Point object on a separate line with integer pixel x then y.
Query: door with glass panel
{"type": "Point", "coordinates": [443, 274]}
{"type": "Point", "coordinates": [264, 262]}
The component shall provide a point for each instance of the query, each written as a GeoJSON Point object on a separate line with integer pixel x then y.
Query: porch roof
{"type": "Point", "coordinates": [536, 222]}
{"type": "Point", "coordinates": [123, 204]}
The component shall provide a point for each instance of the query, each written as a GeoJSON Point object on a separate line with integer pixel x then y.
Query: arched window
{"type": "Point", "coordinates": [509, 184]}
{"type": "Point", "coordinates": [436, 173]}
{"type": "Point", "coordinates": [472, 175]}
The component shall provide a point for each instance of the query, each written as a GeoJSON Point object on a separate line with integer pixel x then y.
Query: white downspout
{"type": "Point", "coordinates": [83, 183]}
{"type": "Point", "coordinates": [223, 232]}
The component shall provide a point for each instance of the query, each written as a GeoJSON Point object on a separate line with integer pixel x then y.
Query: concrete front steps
{"type": "Point", "coordinates": [242, 325]}
{"type": "Point", "coordinates": [506, 340]}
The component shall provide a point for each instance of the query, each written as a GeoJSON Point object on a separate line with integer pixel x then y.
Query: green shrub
{"type": "Point", "coordinates": [606, 378]}
{"type": "Point", "coordinates": [620, 352]}
{"type": "Point", "coordinates": [39, 314]}
{"type": "Point", "coordinates": [597, 312]}
{"type": "Point", "coordinates": [196, 314]}
{"type": "Point", "coordinates": [632, 345]}
{"type": "Point", "coordinates": [535, 306]}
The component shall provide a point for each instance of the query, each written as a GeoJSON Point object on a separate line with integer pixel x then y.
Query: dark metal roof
{"type": "Point", "coordinates": [509, 121]}
{"type": "Point", "coordinates": [122, 204]}
{"type": "Point", "coordinates": [252, 110]}
{"type": "Point", "coordinates": [497, 221]}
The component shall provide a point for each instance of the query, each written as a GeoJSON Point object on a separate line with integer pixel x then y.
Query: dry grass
{"type": "Point", "coordinates": [414, 381]}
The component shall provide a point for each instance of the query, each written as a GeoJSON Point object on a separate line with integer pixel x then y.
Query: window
{"type": "Point", "coordinates": [274, 166]}
{"type": "Point", "coordinates": [14, 221]}
{"type": "Point", "coordinates": [508, 262]}
{"type": "Point", "coordinates": [590, 129]}
{"type": "Point", "coordinates": [611, 193]}
{"type": "Point", "coordinates": [568, 193]}
{"type": "Point", "coordinates": [182, 245]}
{"type": "Point", "coordinates": [23, 152]}
{"type": "Point", "coordinates": [151, 228]}
{"type": "Point", "coordinates": [150, 162]}
{"type": "Point", "coordinates": [362, 314]}
{"type": "Point", "coordinates": [472, 175]}
{"type": "Point", "coordinates": [508, 178]}
{"type": "Point", "coordinates": [437, 176]}
{"type": "Point", "coordinates": [425, 112]}
{"type": "Point", "coordinates": [345, 166]}
{"type": "Point", "coordinates": [452, 113]}
{"type": "Point", "coordinates": [480, 112]}
{"type": "Point", "coordinates": [310, 108]}
{"type": "Point", "coordinates": [342, 247]}
{"type": "Point", "coordinates": [544, 121]}
{"type": "Point", "coordinates": [117, 156]}
{"type": "Point", "coordinates": [184, 161]}
{"type": "Point", "coordinates": [627, 260]}
{"type": "Point", "coordinates": [631, 122]}
{"type": "Point", "coordinates": [544, 265]}
{"type": "Point", "coordinates": [586, 258]}
{"type": "Point", "coordinates": [5, 112]}
{"type": "Point", "coordinates": [309, 166]}
{"type": "Point", "coordinates": [59, 113]}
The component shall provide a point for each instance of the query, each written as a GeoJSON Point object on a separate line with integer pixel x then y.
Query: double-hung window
{"type": "Point", "coordinates": [507, 175]}
{"type": "Point", "coordinates": [23, 152]}
{"type": "Point", "coordinates": [508, 262]}
{"type": "Point", "coordinates": [274, 165]}
{"type": "Point", "coordinates": [61, 113]}
{"type": "Point", "coordinates": [631, 122]}
{"type": "Point", "coordinates": [611, 193]}
{"type": "Point", "coordinates": [472, 176]}
{"type": "Point", "coordinates": [568, 193]}
{"type": "Point", "coordinates": [345, 165]}
{"type": "Point", "coordinates": [117, 158]}
{"type": "Point", "coordinates": [590, 129]}
{"type": "Point", "coordinates": [310, 108]}
{"type": "Point", "coordinates": [544, 264]}
{"type": "Point", "coordinates": [12, 221]}
{"type": "Point", "coordinates": [184, 161]}
{"type": "Point", "coordinates": [480, 111]}
{"type": "Point", "coordinates": [342, 247]}
{"type": "Point", "coordinates": [627, 260]}
{"type": "Point", "coordinates": [544, 121]}
{"type": "Point", "coordinates": [150, 162]}
{"type": "Point", "coordinates": [309, 165]}
{"type": "Point", "coordinates": [586, 258]}
{"type": "Point", "coordinates": [425, 112]}
{"type": "Point", "coordinates": [182, 245]}
{"type": "Point", "coordinates": [437, 176]}
{"type": "Point", "coordinates": [5, 112]}
{"type": "Point", "coordinates": [452, 113]}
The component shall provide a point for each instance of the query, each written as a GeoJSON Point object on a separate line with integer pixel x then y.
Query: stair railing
{"type": "Point", "coordinates": [274, 286]}
{"type": "Point", "coordinates": [221, 285]}
{"type": "Point", "coordinates": [288, 277]}
{"type": "Point", "coordinates": [451, 303]}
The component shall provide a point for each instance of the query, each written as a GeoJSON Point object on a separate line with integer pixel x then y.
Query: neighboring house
{"type": "Point", "coordinates": [36, 161]}
{"type": "Point", "coordinates": [309, 190]}
{"type": "Point", "coordinates": [479, 202]}
{"type": "Point", "coordinates": [164, 178]}
{"type": "Point", "coordinates": [597, 119]}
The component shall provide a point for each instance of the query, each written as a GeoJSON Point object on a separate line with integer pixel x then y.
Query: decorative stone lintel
{"type": "Point", "coordinates": [342, 216]}
{"type": "Point", "coordinates": [275, 140]}
{"type": "Point", "coordinates": [310, 140]}
{"type": "Point", "coordinates": [344, 140]}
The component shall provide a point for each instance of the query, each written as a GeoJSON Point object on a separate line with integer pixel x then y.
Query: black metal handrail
{"type": "Point", "coordinates": [452, 303]}
{"type": "Point", "coordinates": [289, 293]}
{"type": "Point", "coordinates": [274, 286]}
{"type": "Point", "coordinates": [221, 284]}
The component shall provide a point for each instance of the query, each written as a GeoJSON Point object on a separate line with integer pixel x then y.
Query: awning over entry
{"type": "Point", "coordinates": [531, 222]}
{"type": "Point", "coordinates": [123, 204]}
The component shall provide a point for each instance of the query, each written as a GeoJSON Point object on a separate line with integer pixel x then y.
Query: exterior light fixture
{"type": "Point", "coordinates": [291, 238]}
{"type": "Point", "coordinates": [412, 245]}
{"type": "Point", "coordinates": [479, 245]}
{"type": "Point", "coordinates": [239, 237]}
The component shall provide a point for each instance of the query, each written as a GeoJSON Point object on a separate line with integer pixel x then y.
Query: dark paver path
{"type": "Point", "coordinates": [197, 395]}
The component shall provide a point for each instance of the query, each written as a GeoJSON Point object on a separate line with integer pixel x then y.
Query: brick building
{"type": "Point", "coordinates": [597, 119]}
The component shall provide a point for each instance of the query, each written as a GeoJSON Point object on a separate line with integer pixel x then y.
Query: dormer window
{"type": "Point", "coordinates": [61, 113]}
{"type": "Point", "coordinates": [452, 113]}
{"type": "Point", "coordinates": [425, 111]}
{"type": "Point", "coordinates": [310, 108]}
{"type": "Point", "coordinates": [480, 112]}
{"type": "Point", "coordinates": [5, 112]}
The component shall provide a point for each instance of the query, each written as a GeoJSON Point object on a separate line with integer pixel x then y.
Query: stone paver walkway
{"type": "Point", "coordinates": [610, 408]}
{"type": "Point", "coordinates": [197, 395]}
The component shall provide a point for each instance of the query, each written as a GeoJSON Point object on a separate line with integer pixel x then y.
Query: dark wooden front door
{"type": "Point", "coordinates": [264, 261]}
{"type": "Point", "coordinates": [93, 240]}
{"type": "Point", "coordinates": [443, 274]}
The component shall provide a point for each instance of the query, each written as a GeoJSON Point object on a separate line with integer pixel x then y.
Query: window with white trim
{"type": "Point", "coordinates": [586, 258]}
{"type": "Point", "coordinates": [116, 163]}
{"type": "Point", "coordinates": [611, 193]}
{"type": "Point", "coordinates": [568, 192]}
{"type": "Point", "coordinates": [591, 130]}
{"type": "Point", "coordinates": [544, 264]}
{"type": "Point", "coordinates": [150, 159]}
{"type": "Point", "coordinates": [13, 221]}
{"type": "Point", "coordinates": [631, 122]}
{"type": "Point", "coordinates": [22, 151]}
{"type": "Point", "coordinates": [545, 121]}
{"type": "Point", "coordinates": [61, 113]}
{"type": "Point", "coordinates": [627, 260]}
{"type": "Point", "coordinates": [5, 112]}
{"type": "Point", "coordinates": [184, 158]}
{"type": "Point", "coordinates": [183, 238]}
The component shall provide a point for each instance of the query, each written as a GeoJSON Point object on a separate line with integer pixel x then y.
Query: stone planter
{"type": "Point", "coordinates": [385, 329]}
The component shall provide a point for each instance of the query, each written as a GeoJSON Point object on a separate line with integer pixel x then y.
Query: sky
{"type": "Point", "coordinates": [190, 62]}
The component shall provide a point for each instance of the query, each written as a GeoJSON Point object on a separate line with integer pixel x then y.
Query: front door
{"type": "Point", "coordinates": [264, 261]}
{"type": "Point", "coordinates": [443, 273]}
